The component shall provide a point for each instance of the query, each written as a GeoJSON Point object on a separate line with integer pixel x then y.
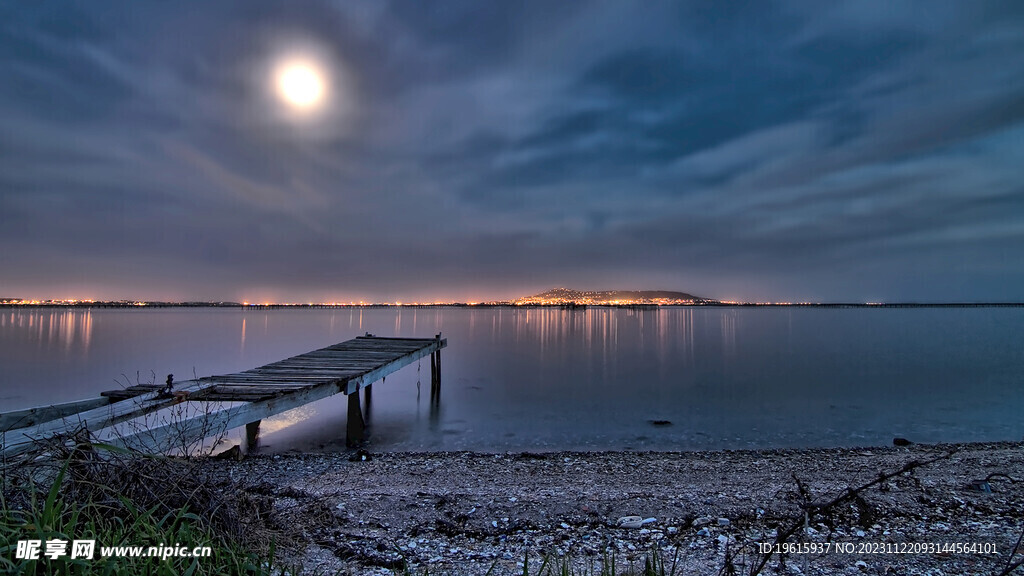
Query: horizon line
{"type": "Point", "coordinates": [130, 303]}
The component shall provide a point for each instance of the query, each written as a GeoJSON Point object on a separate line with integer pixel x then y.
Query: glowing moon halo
{"type": "Point", "coordinates": [300, 84]}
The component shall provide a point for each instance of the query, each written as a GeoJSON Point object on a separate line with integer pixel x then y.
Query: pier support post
{"type": "Point", "coordinates": [252, 436]}
{"type": "Point", "coordinates": [354, 426]}
{"type": "Point", "coordinates": [435, 389]}
{"type": "Point", "coordinates": [435, 376]}
{"type": "Point", "coordinates": [368, 399]}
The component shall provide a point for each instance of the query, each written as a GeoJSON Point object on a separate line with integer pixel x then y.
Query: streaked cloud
{"type": "Point", "coordinates": [798, 150]}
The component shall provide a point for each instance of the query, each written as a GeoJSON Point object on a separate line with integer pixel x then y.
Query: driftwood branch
{"type": "Point", "coordinates": [810, 509]}
{"type": "Point", "coordinates": [1011, 564]}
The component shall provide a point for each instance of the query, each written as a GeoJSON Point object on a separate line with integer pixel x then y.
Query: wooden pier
{"type": "Point", "coordinates": [345, 368]}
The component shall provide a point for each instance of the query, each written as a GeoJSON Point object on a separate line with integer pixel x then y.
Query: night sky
{"type": "Point", "coordinates": [826, 151]}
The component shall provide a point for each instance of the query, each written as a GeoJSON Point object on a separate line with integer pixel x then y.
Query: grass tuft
{"type": "Point", "coordinates": [79, 501]}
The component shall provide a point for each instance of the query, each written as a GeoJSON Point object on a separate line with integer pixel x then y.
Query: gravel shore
{"type": "Point", "coordinates": [468, 513]}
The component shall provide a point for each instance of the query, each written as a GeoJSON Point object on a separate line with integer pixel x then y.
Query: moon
{"type": "Point", "coordinates": [301, 85]}
{"type": "Point", "coordinates": [302, 90]}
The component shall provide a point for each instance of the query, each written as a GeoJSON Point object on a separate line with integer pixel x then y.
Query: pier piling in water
{"type": "Point", "coordinates": [354, 424]}
{"type": "Point", "coordinates": [435, 374]}
{"type": "Point", "coordinates": [252, 435]}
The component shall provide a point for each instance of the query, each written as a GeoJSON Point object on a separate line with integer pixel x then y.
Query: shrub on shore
{"type": "Point", "coordinates": [119, 499]}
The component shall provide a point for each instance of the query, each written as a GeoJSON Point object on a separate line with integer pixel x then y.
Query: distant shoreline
{"type": "Point", "coordinates": [13, 305]}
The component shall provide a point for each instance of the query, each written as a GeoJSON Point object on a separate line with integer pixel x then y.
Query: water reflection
{"type": "Point", "coordinates": [669, 331]}
{"type": "Point", "coordinates": [729, 334]}
{"type": "Point", "coordinates": [595, 378]}
{"type": "Point", "coordinates": [66, 330]}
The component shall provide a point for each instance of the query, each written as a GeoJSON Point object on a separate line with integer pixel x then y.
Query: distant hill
{"type": "Point", "coordinates": [570, 296]}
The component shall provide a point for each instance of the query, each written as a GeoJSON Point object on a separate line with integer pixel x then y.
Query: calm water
{"type": "Point", "coordinates": [542, 379]}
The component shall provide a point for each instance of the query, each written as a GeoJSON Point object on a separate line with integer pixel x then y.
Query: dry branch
{"type": "Point", "coordinates": [810, 509]}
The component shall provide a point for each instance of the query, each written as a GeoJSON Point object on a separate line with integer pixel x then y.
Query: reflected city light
{"type": "Point", "coordinates": [69, 328]}
{"type": "Point", "coordinates": [555, 330]}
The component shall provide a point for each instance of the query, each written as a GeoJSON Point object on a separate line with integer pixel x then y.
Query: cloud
{"type": "Point", "coordinates": [824, 150]}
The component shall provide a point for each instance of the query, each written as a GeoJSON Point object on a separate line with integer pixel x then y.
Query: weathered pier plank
{"type": "Point", "coordinates": [40, 414]}
{"type": "Point", "coordinates": [264, 400]}
{"type": "Point", "coordinates": [22, 439]}
{"type": "Point", "coordinates": [255, 394]}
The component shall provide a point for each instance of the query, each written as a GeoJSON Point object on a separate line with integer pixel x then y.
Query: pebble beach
{"type": "Point", "coordinates": [476, 513]}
